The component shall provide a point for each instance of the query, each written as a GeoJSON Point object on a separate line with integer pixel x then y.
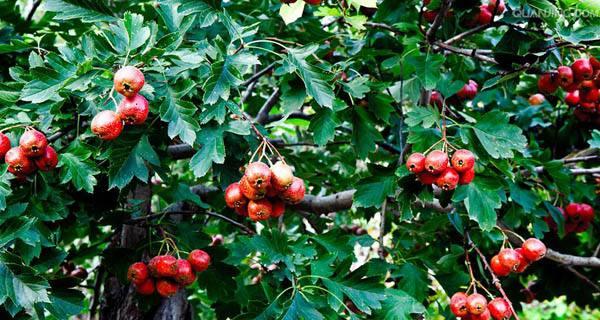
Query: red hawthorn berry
{"type": "Point", "coordinates": [146, 288]}
{"type": "Point", "coordinates": [134, 110]}
{"type": "Point", "coordinates": [595, 64]}
{"type": "Point", "coordinates": [128, 81]}
{"type": "Point", "coordinates": [548, 83]}
{"type": "Point", "coordinates": [509, 259]}
{"type": "Point", "coordinates": [33, 143]}
{"type": "Point", "coordinates": [313, 2]}
{"type": "Point", "coordinates": [462, 160]}
{"type": "Point", "coordinates": [550, 221]}
{"type": "Point", "coordinates": [271, 192]}
{"type": "Point", "coordinates": [467, 176]}
{"type": "Point", "coordinates": [107, 125]}
{"type": "Point", "coordinates": [258, 175]}
{"type": "Point", "coordinates": [234, 197]}
{"type": "Point", "coordinates": [138, 273]}
{"type": "Point", "coordinates": [281, 176]}
{"type": "Point", "coordinates": [536, 99]}
{"type": "Point", "coordinates": [579, 227]}
{"type": "Point", "coordinates": [295, 193]}
{"type": "Point", "coordinates": [166, 288]}
{"type": "Point", "coordinates": [586, 212]}
{"type": "Point", "coordinates": [533, 249]}
{"type": "Point", "coordinates": [79, 273]}
{"type": "Point", "coordinates": [458, 304]}
{"type": "Point", "coordinates": [48, 160]}
{"type": "Point", "coordinates": [249, 192]}
{"type": "Point", "coordinates": [588, 93]}
{"type": "Point", "coordinates": [199, 259]}
{"type": "Point", "coordinates": [572, 98]}
{"type": "Point", "coordinates": [427, 178]}
{"type": "Point", "coordinates": [565, 76]}
{"type": "Point", "coordinates": [448, 179]}
{"type": "Point", "coordinates": [523, 262]}
{"type": "Point", "coordinates": [18, 162]}
{"type": "Point", "coordinates": [572, 211]}
{"type": "Point", "coordinates": [436, 99]}
{"type": "Point", "coordinates": [260, 209]}
{"type": "Point", "coordinates": [582, 69]}
{"type": "Point", "coordinates": [468, 91]}
{"type": "Point", "coordinates": [492, 6]}
{"type": "Point", "coordinates": [278, 208]}
{"type": "Point", "coordinates": [436, 161]}
{"type": "Point", "coordinates": [498, 268]}
{"type": "Point", "coordinates": [484, 316]}
{"type": "Point", "coordinates": [163, 266]}
{"type": "Point", "coordinates": [499, 309]}
{"type": "Point", "coordinates": [485, 15]}
{"type": "Point", "coordinates": [476, 304]}
{"type": "Point", "coordinates": [429, 15]}
{"type": "Point", "coordinates": [416, 162]}
{"type": "Point", "coordinates": [242, 211]}
{"type": "Point", "coordinates": [4, 145]}
{"type": "Point", "coordinates": [185, 274]}
{"type": "Point", "coordinates": [588, 107]}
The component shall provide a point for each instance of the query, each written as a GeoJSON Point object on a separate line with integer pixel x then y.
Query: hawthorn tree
{"type": "Point", "coordinates": [342, 91]}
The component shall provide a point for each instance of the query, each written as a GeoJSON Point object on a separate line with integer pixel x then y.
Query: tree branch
{"type": "Point", "coordinates": [32, 12]}
{"type": "Point", "coordinates": [430, 34]}
{"type": "Point", "coordinates": [263, 114]}
{"type": "Point", "coordinates": [465, 52]}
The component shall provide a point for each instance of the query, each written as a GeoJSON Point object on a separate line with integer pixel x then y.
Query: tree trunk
{"type": "Point", "coordinates": [118, 299]}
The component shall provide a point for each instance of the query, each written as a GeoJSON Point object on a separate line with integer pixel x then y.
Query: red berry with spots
{"type": "Point", "coordinates": [295, 192]}
{"type": "Point", "coordinates": [18, 163]}
{"type": "Point", "coordinates": [458, 304]}
{"type": "Point", "coordinates": [250, 192]}
{"type": "Point", "coordinates": [523, 262]}
{"type": "Point", "coordinates": [258, 175]}
{"type": "Point", "coordinates": [467, 176]}
{"type": "Point", "coordinates": [242, 211]}
{"type": "Point", "coordinates": [499, 3]}
{"type": "Point", "coordinates": [48, 160]}
{"type": "Point", "coordinates": [509, 259]}
{"type": "Point", "coordinates": [497, 267]}
{"type": "Point", "coordinates": [548, 83]}
{"type": "Point", "coordinates": [572, 210]}
{"type": "Point", "coordinates": [448, 179]}
{"type": "Point", "coordinates": [476, 304]}
{"type": "Point", "coordinates": [134, 110]}
{"type": "Point", "coordinates": [536, 99]}
{"type": "Point", "coordinates": [588, 92]}
{"type": "Point", "coordinates": [166, 288]}
{"type": "Point", "coordinates": [416, 162]}
{"type": "Point", "coordinates": [128, 81]}
{"type": "Point", "coordinates": [427, 178]}
{"type": "Point", "coordinates": [429, 15]}
{"type": "Point", "coordinates": [565, 76]}
{"type": "Point", "coordinates": [468, 91]}
{"type": "Point", "coordinates": [145, 288]}
{"type": "Point", "coordinates": [484, 316]}
{"type": "Point", "coordinates": [436, 162]}
{"type": "Point", "coordinates": [107, 125]}
{"type": "Point", "coordinates": [586, 212]}
{"type": "Point", "coordinates": [572, 98]}
{"type": "Point", "coordinates": [138, 273]}
{"type": "Point", "coordinates": [436, 99]}
{"type": "Point", "coordinates": [4, 145]}
{"type": "Point", "coordinates": [533, 249]}
{"type": "Point", "coordinates": [485, 15]}
{"type": "Point", "coordinates": [499, 309]}
{"type": "Point", "coordinates": [278, 208]}
{"type": "Point", "coordinates": [163, 266]}
{"type": "Point", "coordinates": [33, 143]}
{"type": "Point", "coordinates": [260, 209]}
{"type": "Point", "coordinates": [234, 198]}
{"type": "Point", "coordinates": [281, 176]}
{"type": "Point", "coordinates": [199, 259]}
{"type": "Point", "coordinates": [463, 160]}
{"type": "Point", "coordinates": [185, 274]}
{"type": "Point", "coordinates": [582, 69]}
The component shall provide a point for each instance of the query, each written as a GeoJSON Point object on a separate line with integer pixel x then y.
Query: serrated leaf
{"type": "Point", "coordinates": [76, 168]}
{"type": "Point", "coordinates": [323, 126]}
{"type": "Point", "coordinates": [174, 11]}
{"type": "Point", "coordinates": [413, 281]}
{"type": "Point", "coordinates": [423, 116]}
{"type": "Point", "coordinates": [84, 10]}
{"type": "Point", "coordinates": [20, 284]}
{"type": "Point", "coordinates": [428, 68]}
{"type": "Point", "coordinates": [371, 192]}
{"type": "Point", "coordinates": [364, 133]}
{"type": "Point", "coordinates": [481, 200]}
{"type": "Point", "coordinates": [315, 81]}
{"type": "Point", "coordinates": [128, 159]}
{"type": "Point", "coordinates": [224, 75]}
{"type": "Point", "coordinates": [179, 114]}
{"type": "Point", "coordinates": [362, 295]}
{"type": "Point", "coordinates": [399, 305]}
{"type": "Point", "coordinates": [65, 303]}
{"type": "Point", "coordinates": [291, 12]}
{"type": "Point", "coordinates": [212, 148]}
{"type": "Point", "coordinates": [357, 87]}
{"type": "Point", "coordinates": [300, 309]}
{"type": "Point", "coordinates": [498, 137]}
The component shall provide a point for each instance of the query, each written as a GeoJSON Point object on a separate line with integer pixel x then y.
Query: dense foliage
{"type": "Point", "coordinates": [345, 91]}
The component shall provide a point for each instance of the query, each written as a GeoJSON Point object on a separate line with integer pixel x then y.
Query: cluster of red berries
{"type": "Point", "coordinates": [436, 169]}
{"type": "Point", "coordinates": [32, 153]}
{"type": "Point", "coordinates": [313, 2]}
{"type": "Point", "coordinates": [133, 109]}
{"type": "Point", "coordinates": [517, 260]}
{"type": "Point", "coordinates": [581, 81]}
{"type": "Point", "coordinates": [166, 274]}
{"type": "Point", "coordinates": [262, 192]}
{"type": "Point", "coordinates": [578, 217]}
{"type": "Point", "coordinates": [482, 16]}
{"type": "Point", "coordinates": [467, 92]}
{"type": "Point", "coordinates": [476, 307]}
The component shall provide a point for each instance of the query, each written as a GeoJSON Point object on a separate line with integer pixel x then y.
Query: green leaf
{"type": "Point", "coordinates": [84, 10]}
{"type": "Point", "coordinates": [291, 12]}
{"type": "Point", "coordinates": [525, 198]}
{"type": "Point", "coordinates": [481, 198]}
{"type": "Point", "coordinates": [20, 284]}
{"type": "Point", "coordinates": [48, 80]}
{"type": "Point", "coordinates": [364, 133]}
{"type": "Point", "coordinates": [128, 160]}
{"type": "Point", "coordinates": [128, 34]}
{"type": "Point", "coordinates": [414, 281]}
{"type": "Point", "coordinates": [14, 228]}
{"type": "Point", "coordinates": [363, 295]}
{"type": "Point", "coordinates": [423, 116]}
{"type": "Point", "coordinates": [75, 167]}
{"type": "Point", "coordinates": [498, 137]}
{"type": "Point", "coordinates": [547, 11]}
{"type": "Point", "coordinates": [371, 192]}
{"type": "Point", "coordinates": [224, 75]}
{"type": "Point", "coordinates": [594, 142]}
{"type": "Point", "coordinates": [65, 303]}
{"type": "Point", "coordinates": [179, 114]}
{"type": "Point", "coordinates": [5, 189]}
{"type": "Point", "coordinates": [300, 309]}
{"type": "Point", "coordinates": [357, 87]}
{"type": "Point", "coordinates": [428, 68]}
{"type": "Point", "coordinates": [399, 305]}
{"type": "Point", "coordinates": [174, 11]}
{"type": "Point", "coordinates": [315, 81]}
{"type": "Point", "coordinates": [212, 148]}
{"type": "Point", "coordinates": [323, 126]}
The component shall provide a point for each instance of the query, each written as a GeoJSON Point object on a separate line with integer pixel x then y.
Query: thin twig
{"type": "Point", "coordinates": [584, 278]}
{"type": "Point", "coordinates": [32, 12]}
{"type": "Point", "coordinates": [430, 34]}
{"type": "Point", "coordinates": [192, 212]}
{"type": "Point", "coordinates": [466, 52]}
{"type": "Point", "coordinates": [381, 250]}
{"type": "Point", "coordinates": [96, 294]}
